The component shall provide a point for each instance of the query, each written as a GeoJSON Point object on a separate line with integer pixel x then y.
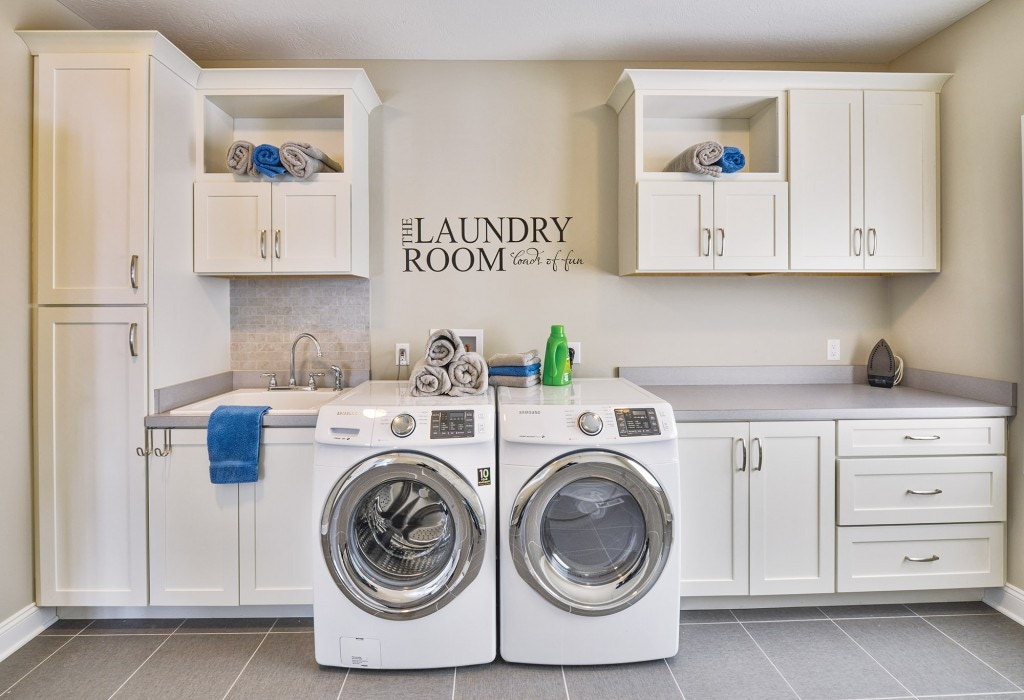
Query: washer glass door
{"type": "Point", "coordinates": [591, 532]}
{"type": "Point", "coordinates": [402, 534]}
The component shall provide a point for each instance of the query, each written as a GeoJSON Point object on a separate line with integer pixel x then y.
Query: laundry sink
{"type": "Point", "coordinates": [288, 402]}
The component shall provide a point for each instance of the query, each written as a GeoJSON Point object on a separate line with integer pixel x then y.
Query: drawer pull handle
{"type": "Point", "coordinates": [934, 557]}
{"type": "Point", "coordinates": [930, 492]}
{"type": "Point", "coordinates": [922, 437]}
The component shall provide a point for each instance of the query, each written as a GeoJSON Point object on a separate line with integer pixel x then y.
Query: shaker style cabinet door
{"type": "Point", "coordinates": [232, 227]}
{"type": "Point", "coordinates": [91, 484]}
{"type": "Point", "coordinates": [674, 222]}
{"type": "Point", "coordinates": [91, 178]}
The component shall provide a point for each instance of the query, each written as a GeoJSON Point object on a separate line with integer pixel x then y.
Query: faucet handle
{"type": "Point", "coordinates": [312, 379]}
{"type": "Point", "coordinates": [337, 377]}
{"type": "Point", "coordinates": [273, 379]}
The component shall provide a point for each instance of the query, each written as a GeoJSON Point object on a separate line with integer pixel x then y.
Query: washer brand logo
{"type": "Point", "coordinates": [347, 413]}
{"type": "Point", "coordinates": [529, 413]}
{"type": "Point", "coordinates": [483, 476]}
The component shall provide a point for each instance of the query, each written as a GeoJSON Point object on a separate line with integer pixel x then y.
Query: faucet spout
{"type": "Point", "coordinates": [291, 366]}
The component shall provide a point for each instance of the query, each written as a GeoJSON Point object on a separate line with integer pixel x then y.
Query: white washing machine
{"type": "Point", "coordinates": [588, 497]}
{"type": "Point", "coordinates": [404, 507]}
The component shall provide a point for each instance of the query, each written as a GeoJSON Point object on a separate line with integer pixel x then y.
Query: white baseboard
{"type": "Point", "coordinates": [22, 626]}
{"type": "Point", "coordinates": [167, 611]}
{"type": "Point", "coordinates": [1009, 600]}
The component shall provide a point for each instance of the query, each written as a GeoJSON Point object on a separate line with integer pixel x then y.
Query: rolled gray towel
{"type": "Point", "coordinates": [513, 359]}
{"type": "Point", "coordinates": [301, 160]}
{"type": "Point", "coordinates": [428, 380]}
{"type": "Point", "coordinates": [523, 382]}
{"type": "Point", "coordinates": [468, 373]}
{"type": "Point", "coordinates": [698, 158]}
{"type": "Point", "coordinates": [240, 158]}
{"type": "Point", "coordinates": [443, 347]}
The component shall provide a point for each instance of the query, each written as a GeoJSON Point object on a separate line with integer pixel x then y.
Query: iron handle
{"type": "Point", "coordinates": [930, 492]}
{"type": "Point", "coordinates": [743, 462]}
{"type": "Point", "coordinates": [133, 329]}
{"type": "Point", "coordinates": [263, 244]}
{"type": "Point", "coordinates": [277, 244]}
{"type": "Point", "coordinates": [705, 249]}
{"type": "Point", "coordinates": [858, 241]}
{"type": "Point", "coordinates": [133, 272]}
{"type": "Point", "coordinates": [720, 246]}
{"type": "Point", "coordinates": [922, 437]}
{"type": "Point", "coordinates": [934, 557]}
{"type": "Point", "coordinates": [760, 453]}
{"type": "Point", "coordinates": [872, 240]}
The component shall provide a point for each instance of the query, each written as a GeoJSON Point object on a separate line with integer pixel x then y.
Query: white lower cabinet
{"type": "Point", "coordinates": [757, 508]}
{"type": "Point", "coordinates": [232, 544]}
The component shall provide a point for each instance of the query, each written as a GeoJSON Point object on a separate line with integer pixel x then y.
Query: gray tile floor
{"type": "Point", "coordinates": [948, 650]}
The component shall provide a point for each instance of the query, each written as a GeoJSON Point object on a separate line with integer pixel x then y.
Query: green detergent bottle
{"type": "Point", "coordinates": [556, 359]}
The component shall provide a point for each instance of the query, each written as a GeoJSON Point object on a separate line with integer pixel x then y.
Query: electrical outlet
{"type": "Point", "coordinates": [577, 348]}
{"type": "Point", "coordinates": [401, 354]}
{"type": "Point", "coordinates": [832, 349]}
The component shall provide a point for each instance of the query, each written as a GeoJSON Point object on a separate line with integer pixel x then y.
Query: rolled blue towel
{"type": "Point", "coordinates": [507, 371]}
{"type": "Point", "coordinates": [233, 443]}
{"type": "Point", "coordinates": [267, 159]}
{"type": "Point", "coordinates": [732, 160]}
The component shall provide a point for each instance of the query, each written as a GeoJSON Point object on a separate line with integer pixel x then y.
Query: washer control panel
{"type": "Point", "coordinates": [637, 422]}
{"type": "Point", "coordinates": [451, 424]}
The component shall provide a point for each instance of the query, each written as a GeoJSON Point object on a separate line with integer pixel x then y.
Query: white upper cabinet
{"type": "Point", "coordinates": [863, 180]}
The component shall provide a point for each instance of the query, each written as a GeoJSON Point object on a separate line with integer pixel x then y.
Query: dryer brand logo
{"type": "Point", "coordinates": [488, 244]}
{"type": "Point", "coordinates": [529, 413]}
{"type": "Point", "coordinates": [483, 476]}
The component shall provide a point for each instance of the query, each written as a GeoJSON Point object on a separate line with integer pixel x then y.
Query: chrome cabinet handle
{"type": "Point", "coordinates": [760, 453]}
{"type": "Point", "coordinates": [720, 246]}
{"type": "Point", "coordinates": [705, 249]}
{"type": "Point", "coordinates": [922, 437]}
{"type": "Point", "coordinates": [930, 492]}
{"type": "Point", "coordinates": [743, 462]}
{"type": "Point", "coordinates": [277, 244]}
{"type": "Point", "coordinates": [934, 557]}
{"type": "Point", "coordinates": [133, 272]}
{"type": "Point", "coordinates": [133, 329]}
{"type": "Point", "coordinates": [872, 240]}
{"type": "Point", "coordinates": [858, 240]}
{"type": "Point", "coordinates": [263, 244]}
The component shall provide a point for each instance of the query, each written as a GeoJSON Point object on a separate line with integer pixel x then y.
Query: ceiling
{"type": "Point", "coordinates": [843, 31]}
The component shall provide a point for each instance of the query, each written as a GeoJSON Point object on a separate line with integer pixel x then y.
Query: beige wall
{"type": "Point", "coordinates": [16, 582]}
{"type": "Point", "coordinates": [968, 319]}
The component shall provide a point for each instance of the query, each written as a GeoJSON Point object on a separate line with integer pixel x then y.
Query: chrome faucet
{"type": "Point", "coordinates": [291, 367]}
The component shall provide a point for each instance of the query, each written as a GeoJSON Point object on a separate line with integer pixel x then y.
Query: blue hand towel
{"type": "Point", "coordinates": [233, 442]}
{"type": "Point", "coordinates": [267, 159]}
{"type": "Point", "coordinates": [732, 160]}
{"type": "Point", "coordinates": [516, 371]}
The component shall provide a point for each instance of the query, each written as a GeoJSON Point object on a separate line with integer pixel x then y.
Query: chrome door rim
{"type": "Point", "coordinates": [412, 601]}
{"type": "Point", "coordinates": [534, 566]}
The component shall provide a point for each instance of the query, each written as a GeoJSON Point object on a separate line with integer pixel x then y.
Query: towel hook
{"type": "Point", "coordinates": [167, 445]}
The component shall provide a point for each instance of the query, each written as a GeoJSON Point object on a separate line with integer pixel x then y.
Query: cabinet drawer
{"type": "Point", "coordinates": [953, 436]}
{"type": "Point", "coordinates": [948, 556]}
{"type": "Point", "coordinates": [903, 490]}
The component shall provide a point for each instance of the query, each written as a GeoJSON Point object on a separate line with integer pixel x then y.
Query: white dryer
{"type": "Point", "coordinates": [588, 497]}
{"type": "Point", "coordinates": [404, 506]}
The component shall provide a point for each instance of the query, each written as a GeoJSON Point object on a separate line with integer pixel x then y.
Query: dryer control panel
{"type": "Point", "coordinates": [587, 425]}
{"type": "Point", "coordinates": [405, 426]}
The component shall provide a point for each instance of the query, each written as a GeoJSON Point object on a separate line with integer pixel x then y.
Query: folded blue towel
{"type": "Point", "coordinates": [233, 443]}
{"type": "Point", "coordinates": [508, 371]}
{"type": "Point", "coordinates": [732, 160]}
{"type": "Point", "coordinates": [267, 159]}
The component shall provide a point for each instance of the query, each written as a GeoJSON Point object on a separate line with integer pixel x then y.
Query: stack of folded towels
{"type": "Point", "coordinates": [520, 369]}
{"type": "Point", "coordinates": [708, 158]}
{"type": "Point", "coordinates": [447, 369]}
{"type": "Point", "coordinates": [297, 158]}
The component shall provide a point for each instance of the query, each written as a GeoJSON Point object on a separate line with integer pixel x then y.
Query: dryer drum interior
{"type": "Point", "coordinates": [402, 534]}
{"type": "Point", "coordinates": [591, 532]}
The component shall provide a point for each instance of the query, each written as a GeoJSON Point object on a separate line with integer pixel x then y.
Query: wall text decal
{"type": "Point", "coordinates": [488, 244]}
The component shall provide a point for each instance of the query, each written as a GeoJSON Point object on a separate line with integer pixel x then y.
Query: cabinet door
{"type": "Point", "coordinates": [311, 226]}
{"type": "Point", "coordinates": [751, 226]}
{"type": "Point", "coordinates": [232, 227]}
{"type": "Point", "coordinates": [91, 178]}
{"type": "Point", "coordinates": [674, 222]}
{"type": "Point", "coordinates": [792, 507]}
{"type": "Point", "coordinates": [713, 462]}
{"type": "Point", "coordinates": [193, 527]}
{"type": "Point", "coordinates": [900, 181]}
{"type": "Point", "coordinates": [826, 175]}
{"type": "Point", "coordinates": [91, 484]}
{"type": "Point", "coordinates": [275, 522]}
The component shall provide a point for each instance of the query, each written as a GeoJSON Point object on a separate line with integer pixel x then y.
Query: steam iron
{"type": "Point", "coordinates": [881, 365]}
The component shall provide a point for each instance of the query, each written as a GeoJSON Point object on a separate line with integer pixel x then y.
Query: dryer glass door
{"type": "Point", "coordinates": [591, 532]}
{"type": "Point", "coordinates": [402, 534]}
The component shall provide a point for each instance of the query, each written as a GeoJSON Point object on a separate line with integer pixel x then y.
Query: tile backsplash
{"type": "Point", "coordinates": [268, 313]}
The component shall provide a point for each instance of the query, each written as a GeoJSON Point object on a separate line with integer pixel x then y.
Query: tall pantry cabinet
{"type": "Point", "coordinates": [117, 308]}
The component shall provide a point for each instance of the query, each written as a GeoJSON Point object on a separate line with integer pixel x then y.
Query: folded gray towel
{"type": "Point", "coordinates": [240, 158]}
{"type": "Point", "coordinates": [523, 382]}
{"type": "Point", "coordinates": [444, 346]}
{"type": "Point", "coordinates": [468, 373]}
{"type": "Point", "coordinates": [301, 160]}
{"type": "Point", "coordinates": [513, 359]}
{"type": "Point", "coordinates": [698, 158]}
{"type": "Point", "coordinates": [428, 380]}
